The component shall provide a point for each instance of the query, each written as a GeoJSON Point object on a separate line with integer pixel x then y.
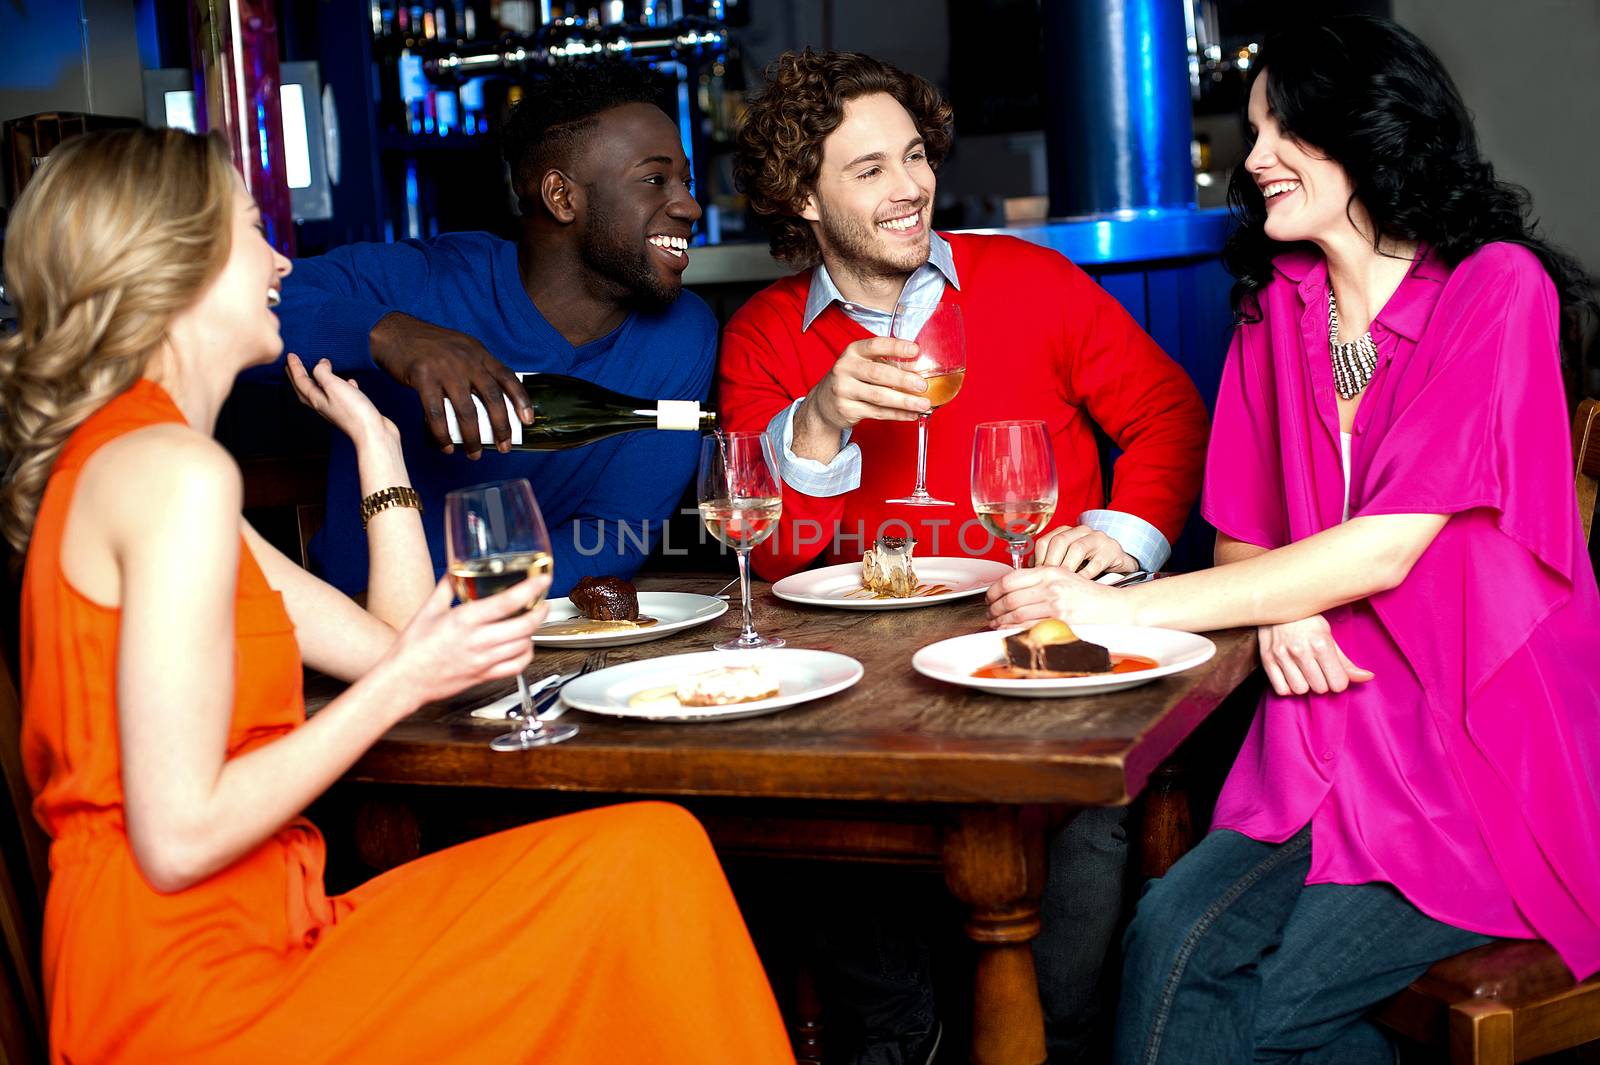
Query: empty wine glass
{"type": "Point", "coordinates": [1013, 481]}
{"type": "Point", "coordinates": [941, 361]}
{"type": "Point", "coordinates": [495, 537]}
{"type": "Point", "coordinates": [741, 500]}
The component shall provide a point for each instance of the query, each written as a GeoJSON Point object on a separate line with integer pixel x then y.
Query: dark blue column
{"type": "Point", "coordinates": [1117, 109]}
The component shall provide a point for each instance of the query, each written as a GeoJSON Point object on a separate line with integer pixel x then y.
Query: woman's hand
{"type": "Point", "coordinates": [445, 649]}
{"type": "Point", "coordinates": [340, 401]}
{"type": "Point", "coordinates": [1302, 656]}
{"type": "Point", "coordinates": [1081, 549]}
{"type": "Point", "coordinates": [1025, 595]}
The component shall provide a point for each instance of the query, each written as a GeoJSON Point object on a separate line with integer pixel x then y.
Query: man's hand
{"type": "Point", "coordinates": [441, 364]}
{"type": "Point", "coordinates": [857, 388]}
{"type": "Point", "coordinates": [1083, 550]}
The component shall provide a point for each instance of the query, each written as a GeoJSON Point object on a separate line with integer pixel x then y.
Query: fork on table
{"type": "Point", "coordinates": [549, 705]}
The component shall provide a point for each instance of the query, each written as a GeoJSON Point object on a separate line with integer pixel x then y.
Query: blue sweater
{"type": "Point", "coordinates": [603, 503]}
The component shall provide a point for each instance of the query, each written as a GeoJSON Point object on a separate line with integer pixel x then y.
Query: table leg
{"type": "Point", "coordinates": [994, 863]}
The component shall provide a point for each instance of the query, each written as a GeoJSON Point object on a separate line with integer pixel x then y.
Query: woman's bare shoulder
{"type": "Point", "coordinates": [147, 472]}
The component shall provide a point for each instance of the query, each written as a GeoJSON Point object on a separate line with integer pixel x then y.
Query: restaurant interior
{"type": "Point", "coordinates": [904, 807]}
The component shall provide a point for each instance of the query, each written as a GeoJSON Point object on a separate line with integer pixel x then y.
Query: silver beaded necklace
{"type": "Point", "coordinates": [1353, 363]}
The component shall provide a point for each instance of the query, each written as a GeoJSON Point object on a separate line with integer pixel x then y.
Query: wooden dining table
{"type": "Point", "coordinates": [898, 768]}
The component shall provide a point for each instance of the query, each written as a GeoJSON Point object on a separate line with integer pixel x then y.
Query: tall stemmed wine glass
{"type": "Point", "coordinates": [741, 500]}
{"type": "Point", "coordinates": [941, 361]}
{"type": "Point", "coordinates": [1013, 481]}
{"type": "Point", "coordinates": [495, 537]}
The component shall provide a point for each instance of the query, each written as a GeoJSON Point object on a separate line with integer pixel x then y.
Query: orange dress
{"type": "Point", "coordinates": [607, 936]}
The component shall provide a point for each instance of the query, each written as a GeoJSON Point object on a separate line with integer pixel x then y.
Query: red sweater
{"type": "Point", "coordinates": [1043, 342]}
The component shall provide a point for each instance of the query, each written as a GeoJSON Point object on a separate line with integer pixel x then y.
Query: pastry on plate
{"type": "Point", "coordinates": [886, 568]}
{"type": "Point", "coordinates": [727, 685]}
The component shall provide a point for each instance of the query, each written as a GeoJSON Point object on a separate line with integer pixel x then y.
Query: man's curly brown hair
{"type": "Point", "coordinates": [780, 138]}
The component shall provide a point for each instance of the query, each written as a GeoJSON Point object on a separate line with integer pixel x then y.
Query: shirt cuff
{"type": "Point", "coordinates": [1138, 537]}
{"type": "Point", "coordinates": [815, 478]}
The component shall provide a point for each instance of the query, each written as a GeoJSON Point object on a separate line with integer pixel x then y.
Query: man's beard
{"type": "Point", "coordinates": [608, 253]}
{"type": "Point", "coordinates": [855, 245]}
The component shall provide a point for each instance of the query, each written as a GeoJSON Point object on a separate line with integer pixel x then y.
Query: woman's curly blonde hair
{"type": "Point", "coordinates": [780, 137]}
{"type": "Point", "coordinates": [116, 233]}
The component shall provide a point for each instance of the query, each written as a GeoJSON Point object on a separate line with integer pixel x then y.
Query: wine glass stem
{"type": "Point", "coordinates": [749, 632]}
{"type": "Point", "coordinates": [531, 725]}
{"type": "Point", "coordinates": [1016, 553]}
{"type": "Point", "coordinates": [922, 453]}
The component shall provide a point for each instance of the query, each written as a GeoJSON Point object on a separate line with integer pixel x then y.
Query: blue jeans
{"type": "Point", "coordinates": [1079, 914]}
{"type": "Point", "coordinates": [1233, 958]}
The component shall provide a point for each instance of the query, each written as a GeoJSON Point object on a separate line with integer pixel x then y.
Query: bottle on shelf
{"type": "Point", "coordinates": [568, 412]}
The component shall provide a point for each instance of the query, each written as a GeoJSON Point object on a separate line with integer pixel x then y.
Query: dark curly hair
{"type": "Point", "coordinates": [555, 113]}
{"type": "Point", "coordinates": [1372, 97]}
{"type": "Point", "coordinates": [780, 137]}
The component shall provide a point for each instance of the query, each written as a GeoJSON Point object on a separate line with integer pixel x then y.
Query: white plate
{"type": "Point", "coordinates": [802, 676]}
{"type": "Point", "coordinates": [840, 586]}
{"type": "Point", "coordinates": [953, 660]}
{"type": "Point", "coordinates": [673, 611]}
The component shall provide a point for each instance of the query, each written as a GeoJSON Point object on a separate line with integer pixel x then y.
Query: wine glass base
{"type": "Point", "coordinates": [517, 740]}
{"type": "Point", "coordinates": [741, 644]}
{"type": "Point", "coordinates": [921, 501]}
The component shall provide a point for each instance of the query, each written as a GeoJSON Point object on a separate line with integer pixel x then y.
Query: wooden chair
{"type": "Point", "coordinates": [24, 877]}
{"type": "Point", "coordinates": [1586, 449]}
{"type": "Point", "coordinates": [292, 489]}
{"type": "Point", "coordinates": [1512, 1000]}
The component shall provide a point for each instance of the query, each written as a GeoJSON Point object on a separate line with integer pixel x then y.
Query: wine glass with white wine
{"type": "Point", "coordinates": [941, 361]}
{"type": "Point", "coordinates": [495, 538]}
{"type": "Point", "coordinates": [1013, 481]}
{"type": "Point", "coordinates": [741, 500]}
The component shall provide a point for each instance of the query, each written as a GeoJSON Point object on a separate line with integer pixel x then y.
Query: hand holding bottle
{"type": "Point", "coordinates": [441, 364]}
{"type": "Point", "coordinates": [571, 412]}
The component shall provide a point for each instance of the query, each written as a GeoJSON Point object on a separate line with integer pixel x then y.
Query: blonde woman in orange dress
{"type": "Point", "coordinates": [164, 731]}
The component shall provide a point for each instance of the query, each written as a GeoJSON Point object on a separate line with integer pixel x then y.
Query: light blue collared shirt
{"type": "Point", "coordinates": [922, 289]}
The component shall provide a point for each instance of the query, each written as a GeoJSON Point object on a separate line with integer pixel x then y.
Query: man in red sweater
{"type": "Point", "coordinates": [839, 154]}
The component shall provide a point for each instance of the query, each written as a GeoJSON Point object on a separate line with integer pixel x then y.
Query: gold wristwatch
{"type": "Point", "coordinates": [399, 495]}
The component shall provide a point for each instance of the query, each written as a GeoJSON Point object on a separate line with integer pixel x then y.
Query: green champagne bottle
{"type": "Point", "coordinates": [568, 412]}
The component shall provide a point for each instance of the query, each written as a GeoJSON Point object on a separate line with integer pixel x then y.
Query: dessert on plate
{"type": "Point", "coordinates": [1051, 649]}
{"type": "Point", "coordinates": [726, 686]}
{"type": "Point", "coordinates": [886, 568]}
{"type": "Point", "coordinates": [606, 599]}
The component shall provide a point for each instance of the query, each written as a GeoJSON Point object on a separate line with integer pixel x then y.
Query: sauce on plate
{"type": "Point", "coordinates": [1119, 664]}
{"type": "Point", "coordinates": [922, 590]}
{"type": "Point", "coordinates": [583, 626]}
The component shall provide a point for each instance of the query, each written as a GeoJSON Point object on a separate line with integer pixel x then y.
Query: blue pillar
{"type": "Point", "coordinates": [1117, 109]}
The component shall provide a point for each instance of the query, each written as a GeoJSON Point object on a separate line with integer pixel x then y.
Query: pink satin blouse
{"type": "Point", "coordinates": [1467, 772]}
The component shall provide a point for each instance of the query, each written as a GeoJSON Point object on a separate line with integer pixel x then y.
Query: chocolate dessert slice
{"type": "Point", "coordinates": [1051, 647]}
{"type": "Point", "coordinates": [606, 599]}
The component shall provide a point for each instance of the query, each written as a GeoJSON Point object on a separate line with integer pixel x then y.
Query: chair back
{"type": "Point", "coordinates": [1586, 452]}
{"type": "Point", "coordinates": [284, 498]}
{"type": "Point", "coordinates": [24, 878]}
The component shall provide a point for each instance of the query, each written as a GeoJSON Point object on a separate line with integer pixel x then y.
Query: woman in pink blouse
{"type": "Point", "coordinates": [1391, 481]}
